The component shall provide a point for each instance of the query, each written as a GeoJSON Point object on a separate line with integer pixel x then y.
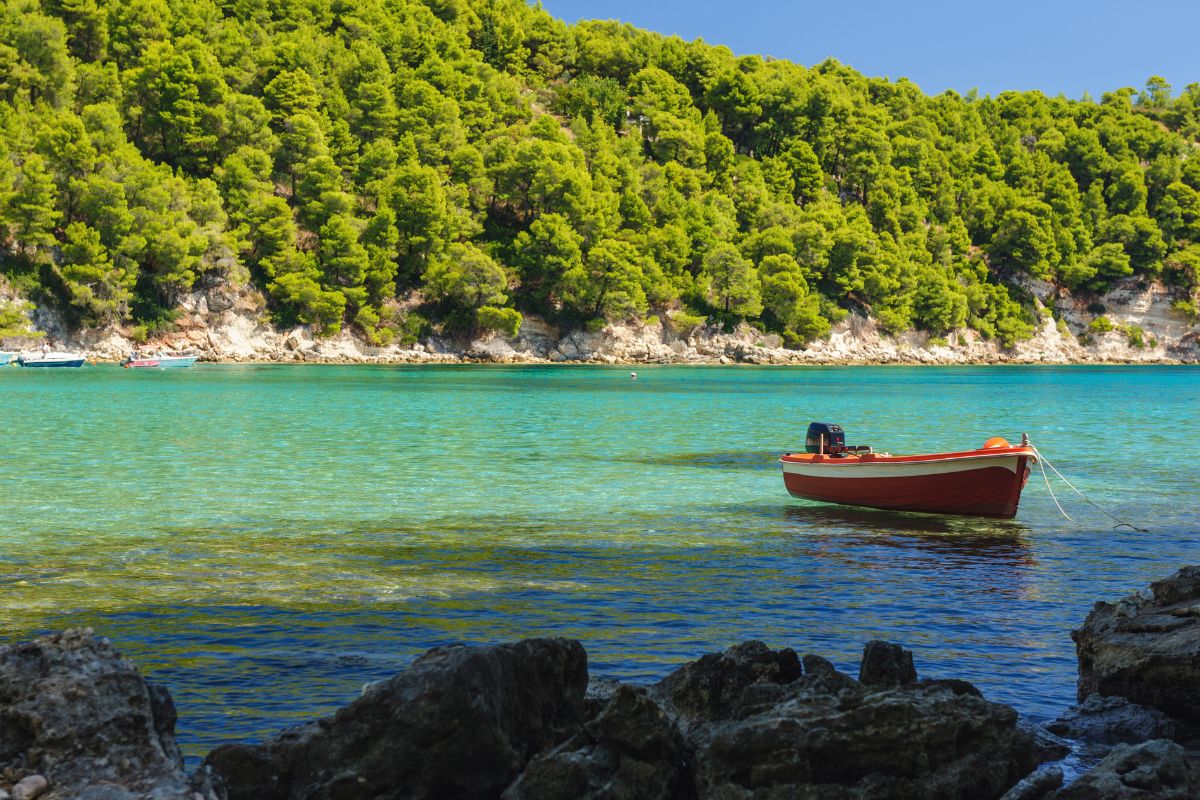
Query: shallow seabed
{"type": "Point", "coordinates": [266, 539]}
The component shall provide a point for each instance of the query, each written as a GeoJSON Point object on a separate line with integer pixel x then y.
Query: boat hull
{"type": "Point", "coordinates": [976, 483]}
{"type": "Point", "coordinates": [160, 362]}
{"type": "Point", "coordinates": [52, 362]}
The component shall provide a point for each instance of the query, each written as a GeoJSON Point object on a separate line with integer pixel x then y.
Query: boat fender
{"type": "Point", "coordinates": [996, 441]}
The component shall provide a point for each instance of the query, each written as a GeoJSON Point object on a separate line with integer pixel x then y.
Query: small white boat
{"type": "Point", "coordinates": [6, 357]}
{"type": "Point", "coordinates": [165, 361]}
{"type": "Point", "coordinates": [51, 359]}
{"type": "Point", "coordinates": [175, 362]}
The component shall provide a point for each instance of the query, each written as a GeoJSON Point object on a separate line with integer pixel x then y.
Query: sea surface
{"type": "Point", "coordinates": [266, 539]}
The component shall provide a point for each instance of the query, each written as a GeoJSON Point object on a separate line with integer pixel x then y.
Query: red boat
{"type": "Point", "coordinates": [982, 483]}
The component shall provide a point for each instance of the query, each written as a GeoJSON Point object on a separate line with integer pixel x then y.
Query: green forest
{"type": "Point", "coordinates": [401, 166]}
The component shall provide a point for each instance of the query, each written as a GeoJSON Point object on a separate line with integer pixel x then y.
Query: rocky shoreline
{"type": "Point", "coordinates": [225, 325]}
{"type": "Point", "coordinates": [523, 721]}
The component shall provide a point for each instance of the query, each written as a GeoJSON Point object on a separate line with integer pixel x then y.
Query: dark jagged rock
{"type": "Point", "coordinates": [886, 665]}
{"type": "Point", "coordinates": [912, 742]}
{"type": "Point", "coordinates": [714, 686]}
{"type": "Point", "coordinates": [1113, 720]}
{"type": "Point", "coordinates": [74, 711]}
{"type": "Point", "coordinates": [1154, 770]}
{"type": "Point", "coordinates": [1146, 647]}
{"type": "Point", "coordinates": [460, 722]}
{"type": "Point", "coordinates": [956, 685]}
{"type": "Point", "coordinates": [766, 733]}
{"type": "Point", "coordinates": [632, 749]}
{"type": "Point", "coordinates": [521, 721]}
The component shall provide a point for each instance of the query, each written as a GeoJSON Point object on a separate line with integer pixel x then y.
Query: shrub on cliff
{"type": "Point", "coordinates": [505, 321]}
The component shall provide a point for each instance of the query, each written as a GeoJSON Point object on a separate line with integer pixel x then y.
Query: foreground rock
{"type": "Point", "coordinates": [768, 734]}
{"type": "Point", "coordinates": [461, 722]}
{"type": "Point", "coordinates": [515, 721]}
{"type": "Point", "coordinates": [1146, 648]}
{"type": "Point", "coordinates": [1113, 720]}
{"type": "Point", "coordinates": [78, 722]}
{"type": "Point", "coordinates": [631, 748]}
{"type": "Point", "coordinates": [1157, 769]}
{"type": "Point", "coordinates": [1038, 785]}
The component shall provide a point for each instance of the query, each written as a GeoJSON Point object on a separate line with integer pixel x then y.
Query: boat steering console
{"type": "Point", "coordinates": [827, 439]}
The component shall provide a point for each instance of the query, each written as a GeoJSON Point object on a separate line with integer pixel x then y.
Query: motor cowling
{"type": "Point", "coordinates": [835, 438]}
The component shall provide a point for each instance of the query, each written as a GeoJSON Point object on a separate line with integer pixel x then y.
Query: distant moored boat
{"type": "Point", "coordinates": [6, 357]}
{"type": "Point", "coordinates": [984, 483]}
{"type": "Point", "coordinates": [159, 362]}
{"type": "Point", "coordinates": [52, 360]}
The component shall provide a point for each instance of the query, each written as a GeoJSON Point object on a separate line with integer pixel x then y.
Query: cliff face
{"type": "Point", "coordinates": [1137, 326]}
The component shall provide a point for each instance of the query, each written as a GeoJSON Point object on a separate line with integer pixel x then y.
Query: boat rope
{"type": "Point", "coordinates": [1046, 478]}
{"type": "Point", "coordinates": [1043, 460]}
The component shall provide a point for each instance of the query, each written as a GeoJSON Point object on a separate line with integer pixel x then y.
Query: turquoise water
{"type": "Point", "coordinates": [265, 539]}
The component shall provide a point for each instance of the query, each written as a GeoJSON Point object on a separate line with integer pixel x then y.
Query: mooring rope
{"type": "Point", "coordinates": [1043, 460]}
{"type": "Point", "coordinates": [1046, 478]}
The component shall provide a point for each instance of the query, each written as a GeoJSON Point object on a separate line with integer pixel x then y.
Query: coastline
{"type": "Point", "coordinates": [227, 325]}
{"type": "Point", "coordinates": [484, 362]}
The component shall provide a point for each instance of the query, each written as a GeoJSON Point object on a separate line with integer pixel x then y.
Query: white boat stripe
{"type": "Point", "coordinates": [852, 468]}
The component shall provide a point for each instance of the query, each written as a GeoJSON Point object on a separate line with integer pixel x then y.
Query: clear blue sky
{"type": "Point", "coordinates": [1057, 46]}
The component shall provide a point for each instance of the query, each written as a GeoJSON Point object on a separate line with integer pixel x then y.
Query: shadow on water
{"type": "Point", "coordinates": [953, 538]}
{"type": "Point", "coordinates": [880, 521]}
{"type": "Point", "coordinates": [751, 460]}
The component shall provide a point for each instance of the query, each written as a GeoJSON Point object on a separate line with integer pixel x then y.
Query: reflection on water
{"type": "Point", "coordinates": [266, 539]}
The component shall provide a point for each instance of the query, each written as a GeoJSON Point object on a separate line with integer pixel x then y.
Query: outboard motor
{"type": "Point", "coordinates": [835, 439]}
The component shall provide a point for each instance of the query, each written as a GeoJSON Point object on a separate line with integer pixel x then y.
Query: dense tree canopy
{"type": "Point", "coordinates": [476, 159]}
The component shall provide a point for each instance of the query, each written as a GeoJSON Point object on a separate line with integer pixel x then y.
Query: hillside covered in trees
{"type": "Point", "coordinates": [392, 165]}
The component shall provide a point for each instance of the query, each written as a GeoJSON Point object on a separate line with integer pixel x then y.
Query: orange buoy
{"type": "Point", "coordinates": [996, 441]}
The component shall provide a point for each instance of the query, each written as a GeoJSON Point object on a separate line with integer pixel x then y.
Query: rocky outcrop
{"type": "Point", "coordinates": [886, 665]}
{"type": "Point", "coordinates": [631, 748]}
{"type": "Point", "coordinates": [1146, 648]}
{"type": "Point", "coordinates": [1113, 720]}
{"type": "Point", "coordinates": [719, 684]}
{"type": "Point", "coordinates": [77, 722]}
{"type": "Point", "coordinates": [521, 721]}
{"type": "Point", "coordinates": [1154, 770]}
{"type": "Point", "coordinates": [461, 722]}
{"type": "Point", "coordinates": [825, 734]}
{"type": "Point", "coordinates": [515, 721]}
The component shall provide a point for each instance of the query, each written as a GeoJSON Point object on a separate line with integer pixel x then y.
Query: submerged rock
{"type": "Point", "coordinates": [1154, 770]}
{"type": "Point", "coordinates": [76, 719]}
{"type": "Point", "coordinates": [461, 722]}
{"type": "Point", "coordinates": [1146, 647]}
